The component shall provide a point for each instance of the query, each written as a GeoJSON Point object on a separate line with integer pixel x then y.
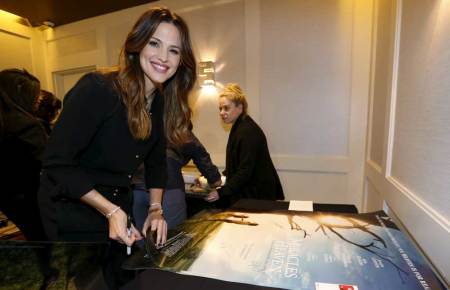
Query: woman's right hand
{"type": "Point", "coordinates": [118, 229]}
{"type": "Point", "coordinates": [117, 218]}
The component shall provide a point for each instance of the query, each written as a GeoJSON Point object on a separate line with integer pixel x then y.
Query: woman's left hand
{"type": "Point", "coordinates": [155, 221]}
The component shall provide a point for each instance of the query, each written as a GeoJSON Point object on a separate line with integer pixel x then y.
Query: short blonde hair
{"type": "Point", "coordinates": [234, 93]}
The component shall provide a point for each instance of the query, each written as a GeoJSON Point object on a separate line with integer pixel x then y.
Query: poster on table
{"type": "Point", "coordinates": [295, 250]}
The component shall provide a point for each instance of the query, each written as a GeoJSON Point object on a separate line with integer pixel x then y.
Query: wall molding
{"type": "Point", "coordinates": [435, 215]}
{"type": "Point", "coordinates": [359, 95]}
{"type": "Point", "coordinates": [399, 188]}
{"type": "Point", "coordinates": [373, 61]}
{"type": "Point", "coordinates": [329, 164]}
{"type": "Point", "coordinates": [375, 166]}
{"type": "Point", "coordinates": [412, 210]}
{"type": "Point", "coordinates": [58, 77]}
{"type": "Point", "coordinates": [21, 35]}
{"type": "Point", "coordinates": [252, 20]}
{"type": "Point", "coordinates": [14, 28]}
{"type": "Point", "coordinates": [198, 4]}
{"type": "Point", "coordinates": [311, 163]}
{"type": "Point", "coordinates": [393, 95]}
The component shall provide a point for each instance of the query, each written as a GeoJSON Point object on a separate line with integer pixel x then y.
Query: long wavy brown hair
{"type": "Point", "coordinates": [177, 114]}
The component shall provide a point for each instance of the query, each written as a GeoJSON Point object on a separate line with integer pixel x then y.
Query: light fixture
{"type": "Point", "coordinates": [46, 25]}
{"type": "Point", "coordinates": [206, 73]}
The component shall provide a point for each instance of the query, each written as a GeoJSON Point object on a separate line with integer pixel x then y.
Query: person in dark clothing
{"type": "Point", "coordinates": [249, 170]}
{"type": "Point", "coordinates": [174, 202]}
{"type": "Point", "coordinates": [111, 123]}
{"type": "Point", "coordinates": [22, 142]}
{"type": "Point", "coordinates": [175, 196]}
{"type": "Point", "coordinates": [47, 109]}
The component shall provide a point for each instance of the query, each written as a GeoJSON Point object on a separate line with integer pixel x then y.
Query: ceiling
{"type": "Point", "coordinates": [61, 12]}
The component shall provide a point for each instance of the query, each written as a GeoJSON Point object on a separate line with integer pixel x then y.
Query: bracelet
{"type": "Point", "coordinates": [155, 210]}
{"type": "Point", "coordinates": [156, 203]}
{"type": "Point", "coordinates": [108, 215]}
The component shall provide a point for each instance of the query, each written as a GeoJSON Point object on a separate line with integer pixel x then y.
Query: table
{"type": "Point", "coordinates": [79, 264]}
{"type": "Point", "coordinates": [23, 265]}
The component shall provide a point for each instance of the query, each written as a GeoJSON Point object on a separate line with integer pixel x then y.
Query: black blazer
{"type": "Point", "coordinates": [22, 143]}
{"type": "Point", "coordinates": [179, 157]}
{"type": "Point", "coordinates": [249, 169]}
{"type": "Point", "coordinates": [91, 146]}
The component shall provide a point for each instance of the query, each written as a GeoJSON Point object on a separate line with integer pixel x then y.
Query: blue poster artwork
{"type": "Point", "coordinates": [298, 250]}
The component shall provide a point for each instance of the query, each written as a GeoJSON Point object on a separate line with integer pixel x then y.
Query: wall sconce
{"type": "Point", "coordinates": [206, 73]}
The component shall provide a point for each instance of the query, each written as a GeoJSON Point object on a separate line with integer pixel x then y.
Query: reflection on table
{"type": "Point", "coordinates": [41, 265]}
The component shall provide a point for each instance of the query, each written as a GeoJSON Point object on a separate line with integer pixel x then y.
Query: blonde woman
{"type": "Point", "coordinates": [249, 169]}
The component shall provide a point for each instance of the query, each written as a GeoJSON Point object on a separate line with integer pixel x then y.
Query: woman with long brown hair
{"type": "Point", "coordinates": [109, 125]}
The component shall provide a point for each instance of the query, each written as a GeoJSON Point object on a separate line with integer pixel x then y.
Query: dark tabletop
{"type": "Point", "coordinates": [78, 265]}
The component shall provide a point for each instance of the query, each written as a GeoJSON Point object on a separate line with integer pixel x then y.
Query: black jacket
{"type": "Point", "coordinates": [22, 143]}
{"type": "Point", "coordinates": [249, 169]}
{"type": "Point", "coordinates": [91, 146]}
{"type": "Point", "coordinates": [179, 157]}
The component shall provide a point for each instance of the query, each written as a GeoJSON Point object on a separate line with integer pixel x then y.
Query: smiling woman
{"type": "Point", "coordinates": [111, 123]}
{"type": "Point", "coordinates": [161, 56]}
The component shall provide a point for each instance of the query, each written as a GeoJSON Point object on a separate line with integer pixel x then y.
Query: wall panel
{"type": "Point", "coordinates": [414, 179]}
{"type": "Point", "coordinates": [15, 51]}
{"type": "Point", "coordinates": [422, 133]}
{"type": "Point", "coordinates": [306, 71]}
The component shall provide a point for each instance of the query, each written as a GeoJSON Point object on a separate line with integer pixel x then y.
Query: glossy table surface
{"type": "Point", "coordinates": [40, 265]}
{"type": "Point", "coordinates": [160, 280]}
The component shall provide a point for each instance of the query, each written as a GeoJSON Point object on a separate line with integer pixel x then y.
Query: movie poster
{"type": "Point", "coordinates": [297, 250]}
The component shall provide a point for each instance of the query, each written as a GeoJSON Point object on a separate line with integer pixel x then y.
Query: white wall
{"type": "Point", "coordinates": [408, 164]}
{"type": "Point", "coordinates": [216, 40]}
{"type": "Point", "coordinates": [21, 47]}
{"type": "Point", "coordinates": [309, 88]}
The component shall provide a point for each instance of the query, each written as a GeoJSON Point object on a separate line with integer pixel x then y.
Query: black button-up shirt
{"type": "Point", "coordinates": [92, 145]}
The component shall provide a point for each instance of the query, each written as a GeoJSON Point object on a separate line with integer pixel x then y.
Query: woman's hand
{"type": "Point", "coordinates": [118, 229]}
{"type": "Point", "coordinates": [212, 196]}
{"type": "Point", "coordinates": [155, 221]}
{"type": "Point", "coordinates": [117, 218]}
